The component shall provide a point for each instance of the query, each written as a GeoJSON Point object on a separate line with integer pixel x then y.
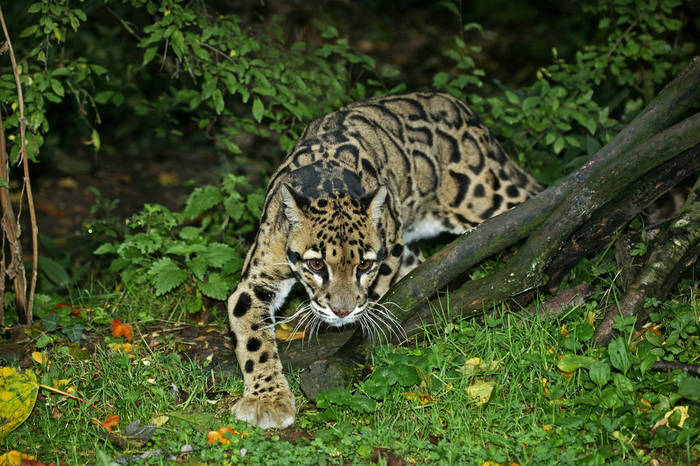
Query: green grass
{"type": "Point", "coordinates": [414, 404]}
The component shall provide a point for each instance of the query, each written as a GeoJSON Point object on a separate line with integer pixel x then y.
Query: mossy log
{"type": "Point", "coordinates": [552, 217]}
{"type": "Point", "coordinates": [674, 250]}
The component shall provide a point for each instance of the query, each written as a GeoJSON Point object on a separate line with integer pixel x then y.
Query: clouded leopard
{"type": "Point", "coordinates": [361, 184]}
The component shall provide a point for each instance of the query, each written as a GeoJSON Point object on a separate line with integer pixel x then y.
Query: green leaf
{"type": "Point", "coordinates": [531, 102]}
{"type": "Point", "coordinates": [202, 198]}
{"type": "Point", "coordinates": [4, 184]}
{"type": "Point", "coordinates": [54, 272]}
{"type": "Point", "coordinates": [43, 341]}
{"type": "Point", "coordinates": [215, 287]}
{"type": "Point", "coordinates": [74, 332]}
{"type": "Point", "coordinates": [105, 248]}
{"type": "Point", "coordinates": [440, 79]}
{"type": "Point", "coordinates": [689, 387]}
{"type": "Point", "coordinates": [600, 372]}
{"type": "Point", "coordinates": [512, 97]}
{"type": "Point", "coordinates": [558, 145]}
{"type": "Point", "coordinates": [620, 356]}
{"type": "Point", "coordinates": [57, 87]}
{"type": "Point", "coordinates": [149, 55]}
{"type": "Point", "coordinates": [166, 275]}
{"type": "Point", "coordinates": [218, 101]}
{"type": "Point", "coordinates": [258, 109]}
{"type": "Point", "coordinates": [571, 362]}
{"type": "Point", "coordinates": [217, 254]}
{"type": "Point", "coordinates": [623, 383]}
{"type": "Point", "coordinates": [50, 322]}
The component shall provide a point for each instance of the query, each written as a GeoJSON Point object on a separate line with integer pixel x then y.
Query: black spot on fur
{"type": "Point", "coordinates": [369, 168]}
{"type": "Point", "coordinates": [255, 327]}
{"type": "Point", "coordinates": [242, 305]}
{"type": "Point", "coordinates": [497, 200]}
{"type": "Point", "coordinates": [293, 256]}
{"type": "Point", "coordinates": [397, 250]}
{"type": "Point", "coordinates": [263, 359]}
{"type": "Point", "coordinates": [384, 270]}
{"type": "Point", "coordinates": [479, 190]}
{"type": "Point", "coordinates": [234, 340]}
{"type": "Point", "coordinates": [322, 203]}
{"type": "Point", "coordinates": [512, 191]}
{"type": "Point", "coordinates": [373, 295]}
{"type": "Point", "coordinates": [249, 364]}
{"type": "Point", "coordinates": [263, 294]}
{"type": "Point", "coordinates": [253, 344]}
{"type": "Point", "coordinates": [462, 182]}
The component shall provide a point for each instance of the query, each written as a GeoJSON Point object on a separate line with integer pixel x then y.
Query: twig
{"type": "Point", "coordinates": [25, 166]}
{"type": "Point", "coordinates": [61, 392]}
{"type": "Point", "coordinates": [670, 366]}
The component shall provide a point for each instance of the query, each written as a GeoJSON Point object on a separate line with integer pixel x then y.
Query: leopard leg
{"type": "Point", "coordinates": [267, 400]}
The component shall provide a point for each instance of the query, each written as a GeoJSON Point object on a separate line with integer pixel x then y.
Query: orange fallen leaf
{"type": "Point", "coordinates": [120, 329]}
{"type": "Point", "coordinates": [111, 421]}
{"type": "Point", "coordinates": [218, 435]}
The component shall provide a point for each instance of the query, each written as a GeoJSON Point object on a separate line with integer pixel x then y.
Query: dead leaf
{"type": "Point", "coordinates": [420, 397]}
{"type": "Point", "coordinates": [664, 420]}
{"type": "Point", "coordinates": [215, 436]}
{"type": "Point", "coordinates": [158, 421]}
{"type": "Point", "coordinates": [111, 421]}
{"type": "Point", "coordinates": [128, 348]}
{"type": "Point", "coordinates": [120, 329]}
{"type": "Point", "coordinates": [18, 393]}
{"type": "Point", "coordinates": [15, 458]}
{"type": "Point", "coordinates": [481, 391]}
{"type": "Point", "coordinates": [39, 358]}
{"type": "Point", "coordinates": [475, 365]}
{"type": "Point", "coordinates": [286, 333]}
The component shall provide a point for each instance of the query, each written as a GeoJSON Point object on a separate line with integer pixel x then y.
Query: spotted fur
{"type": "Point", "coordinates": [360, 185]}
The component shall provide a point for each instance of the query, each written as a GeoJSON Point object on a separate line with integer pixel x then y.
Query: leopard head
{"type": "Point", "coordinates": [335, 247]}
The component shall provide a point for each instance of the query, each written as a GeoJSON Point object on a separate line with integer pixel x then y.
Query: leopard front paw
{"type": "Point", "coordinates": [272, 411]}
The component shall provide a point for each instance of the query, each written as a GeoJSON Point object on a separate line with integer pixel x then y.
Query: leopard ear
{"type": "Point", "coordinates": [293, 203]}
{"type": "Point", "coordinates": [374, 203]}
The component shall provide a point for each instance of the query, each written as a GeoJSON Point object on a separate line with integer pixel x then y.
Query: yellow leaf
{"type": "Point", "coordinates": [684, 414]}
{"type": "Point", "coordinates": [58, 383]}
{"type": "Point", "coordinates": [39, 358]}
{"type": "Point", "coordinates": [125, 347]}
{"type": "Point", "coordinates": [15, 458]}
{"type": "Point", "coordinates": [159, 420]}
{"type": "Point", "coordinates": [481, 391]}
{"type": "Point", "coordinates": [474, 365]}
{"type": "Point", "coordinates": [17, 397]}
{"type": "Point", "coordinates": [287, 335]}
{"type": "Point", "coordinates": [590, 317]}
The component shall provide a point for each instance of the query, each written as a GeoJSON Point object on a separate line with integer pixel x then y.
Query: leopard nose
{"type": "Point", "coordinates": [341, 312]}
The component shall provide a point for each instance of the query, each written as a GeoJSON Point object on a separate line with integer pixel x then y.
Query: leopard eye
{"type": "Point", "coordinates": [315, 264]}
{"type": "Point", "coordinates": [364, 265]}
